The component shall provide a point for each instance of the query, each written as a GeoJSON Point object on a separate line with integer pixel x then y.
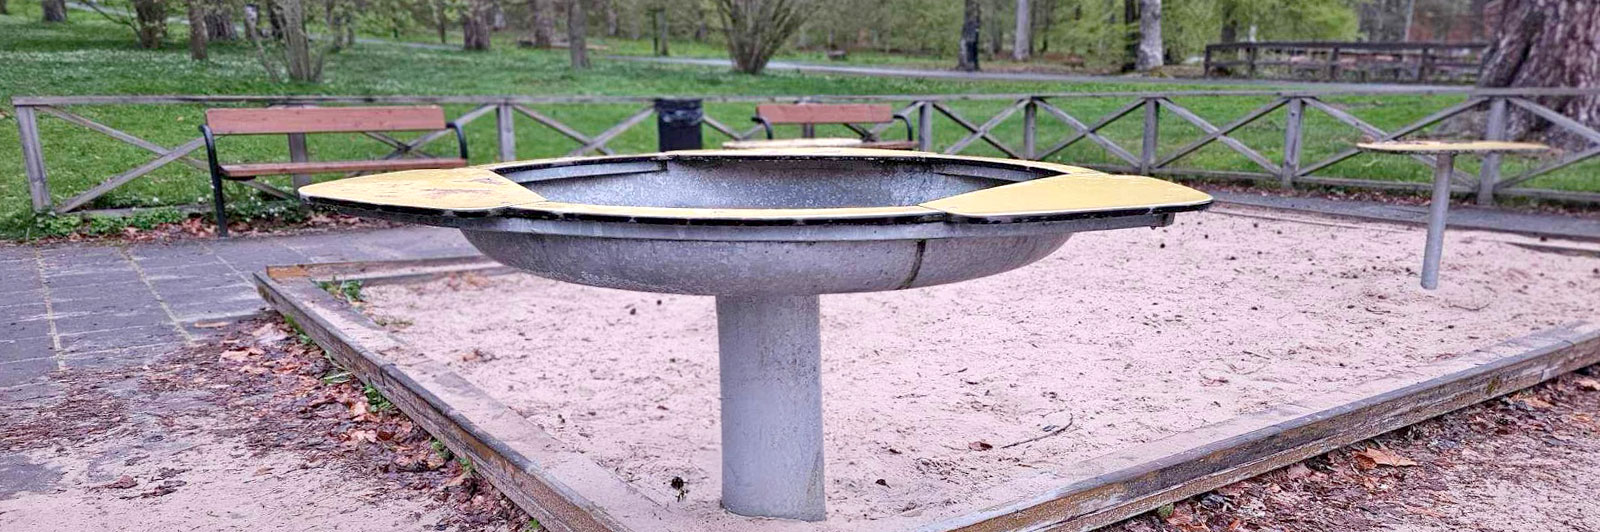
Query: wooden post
{"type": "Point", "coordinates": [33, 159]}
{"type": "Point", "coordinates": [1333, 64]}
{"type": "Point", "coordinates": [503, 119]}
{"type": "Point", "coordinates": [1030, 129]}
{"type": "Point", "coordinates": [1152, 130]}
{"type": "Point", "coordinates": [1254, 53]}
{"type": "Point", "coordinates": [297, 153]}
{"type": "Point", "coordinates": [925, 126]}
{"type": "Point", "coordinates": [1207, 72]}
{"type": "Point", "coordinates": [1489, 174]}
{"type": "Point", "coordinates": [1291, 142]}
{"type": "Point", "coordinates": [1425, 64]}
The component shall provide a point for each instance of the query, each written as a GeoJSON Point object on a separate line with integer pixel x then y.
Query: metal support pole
{"type": "Point", "coordinates": [1030, 129]}
{"type": "Point", "coordinates": [925, 126]}
{"type": "Point", "coordinates": [1152, 131]}
{"type": "Point", "coordinates": [33, 159]}
{"type": "Point", "coordinates": [678, 124]}
{"type": "Point", "coordinates": [1445, 163]}
{"type": "Point", "coordinates": [1292, 137]}
{"type": "Point", "coordinates": [771, 358]}
{"type": "Point", "coordinates": [505, 122]}
{"type": "Point", "coordinates": [1489, 174]}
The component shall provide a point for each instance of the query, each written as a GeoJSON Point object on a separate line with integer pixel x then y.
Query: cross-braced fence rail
{"type": "Point", "coordinates": [1047, 130]}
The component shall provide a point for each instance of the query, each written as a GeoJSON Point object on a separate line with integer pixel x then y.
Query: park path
{"type": "Point", "coordinates": [888, 71]}
{"type": "Point", "coordinates": [90, 305]}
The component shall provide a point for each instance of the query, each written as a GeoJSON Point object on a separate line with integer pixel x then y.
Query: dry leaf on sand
{"type": "Point", "coordinates": [1377, 456]}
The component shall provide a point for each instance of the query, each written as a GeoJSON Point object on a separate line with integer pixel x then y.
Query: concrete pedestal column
{"type": "Point", "coordinates": [771, 357]}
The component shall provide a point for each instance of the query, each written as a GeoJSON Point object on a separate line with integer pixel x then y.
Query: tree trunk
{"type": "Point", "coordinates": [577, 29]}
{"type": "Point", "coordinates": [755, 29]}
{"type": "Point", "coordinates": [54, 10]}
{"type": "Point", "coordinates": [609, 9]}
{"type": "Point", "coordinates": [296, 45]}
{"type": "Point", "coordinates": [475, 25]}
{"type": "Point", "coordinates": [440, 21]}
{"type": "Point", "coordinates": [971, 22]}
{"type": "Point", "coordinates": [150, 22]}
{"type": "Point", "coordinates": [219, 21]}
{"type": "Point", "coordinates": [1547, 43]}
{"type": "Point", "coordinates": [544, 26]}
{"type": "Point", "coordinates": [3, 9]}
{"type": "Point", "coordinates": [197, 30]}
{"type": "Point", "coordinates": [1022, 49]}
{"type": "Point", "coordinates": [1150, 51]}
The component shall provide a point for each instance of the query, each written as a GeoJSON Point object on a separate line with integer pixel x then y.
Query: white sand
{"type": "Point", "coordinates": [1128, 335]}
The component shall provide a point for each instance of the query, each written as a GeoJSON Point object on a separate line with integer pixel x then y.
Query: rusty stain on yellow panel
{"type": "Point", "coordinates": [459, 189]}
{"type": "Point", "coordinates": [1071, 194]}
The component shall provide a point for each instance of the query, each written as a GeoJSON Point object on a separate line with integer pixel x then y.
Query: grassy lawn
{"type": "Point", "coordinates": [90, 56]}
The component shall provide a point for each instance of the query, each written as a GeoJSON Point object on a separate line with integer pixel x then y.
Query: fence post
{"type": "Point", "coordinates": [1207, 72]}
{"type": "Point", "coordinates": [1152, 130]}
{"type": "Point", "coordinates": [1489, 174]}
{"type": "Point", "coordinates": [925, 126]}
{"type": "Point", "coordinates": [1292, 137]}
{"type": "Point", "coordinates": [33, 159]}
{"type": "Point", "coordinates": [1333, 64]}
{"type": "Point", "coordinates": [507, 132]}
{"type": "Point", "coordinates": [1254, 53]}
{"type": "Point", "coordinates": [297, 153]}
{"type": "Point", "coordinates": [1030, 128]}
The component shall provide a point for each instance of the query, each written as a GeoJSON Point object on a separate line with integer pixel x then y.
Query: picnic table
{"type": "Point", "coordinates": [1444, 153]}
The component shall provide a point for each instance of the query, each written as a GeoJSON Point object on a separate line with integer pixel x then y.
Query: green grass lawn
{"type": "Point", "coordinates": [90, 56]}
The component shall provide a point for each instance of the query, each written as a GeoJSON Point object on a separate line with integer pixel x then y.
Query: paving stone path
{"type": "Point", "coordinates": [82, 305]}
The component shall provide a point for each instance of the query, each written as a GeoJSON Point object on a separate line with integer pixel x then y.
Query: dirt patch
{"type": "Point", "coordinates": [253, 431]}
{"type": "Point", "coordinates": [936, 398]}
{"type": "Point", "coordinates": [1529, 462]}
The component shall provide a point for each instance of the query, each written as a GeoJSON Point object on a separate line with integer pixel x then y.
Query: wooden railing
{"type": "Point", "coordinates": [1289, 169]}
{"type": "Point", "coordinates": [1417, 62]}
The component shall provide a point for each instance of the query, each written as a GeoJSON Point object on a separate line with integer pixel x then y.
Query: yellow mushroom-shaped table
{"type": "Point", "coordinates": [766, 232]}
{"type": "Point", "coordinates": [1444, 152]}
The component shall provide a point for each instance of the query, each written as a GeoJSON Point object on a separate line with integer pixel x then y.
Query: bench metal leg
{"type": "Point", "coordinates": [1444, 164]}
{"type": "Point", "coordinates": [222, 215]}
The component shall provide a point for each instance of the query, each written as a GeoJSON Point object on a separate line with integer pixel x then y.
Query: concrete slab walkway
{"type": "Point", "coordinates": [82, 305]}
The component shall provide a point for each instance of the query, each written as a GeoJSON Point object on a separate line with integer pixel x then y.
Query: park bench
{"type": "Point", "coordinates": [808, 115]}
{"type": "Point", "coordinates": [302, 120]}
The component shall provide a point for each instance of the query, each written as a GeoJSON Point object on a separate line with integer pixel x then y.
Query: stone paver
{"type": "Point", "coordinates": [94, 305]}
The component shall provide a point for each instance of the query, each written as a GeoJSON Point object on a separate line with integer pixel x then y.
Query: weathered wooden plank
{"type": "Point", "coordinates": [506, 127]}
{"type": "Point", "coordinates": [278, 120]}
{"type": "Point", "coordinates": [924, 126]}
{"type": "Point", "coordinates": [1030, 129]}
{"type": "Point", "coordinates": [1218, 135]}
{"type": "Point", "coordinates": [948, 112]}
{"type": "Point", "coordinates": [401, 149]}
{"type": "Point", "coordinates": [1380, 135]}
{"type": "Point", "coordinates": [1213, 133]}
{"type": "Point", "coordinates": [327, 167]}
{"type": "Point", "coordinates": [600, 140]}
{"type": "Point", "coordinates": [1126, 483]}
{"type": "Point", "coordinates": [983, 130]}
{"type": "Point", "coordinates": [1489, 173]}
{"type": "Point", "coordinates": [120, 135]}
{"type": "Point", "coordinates": [33, 159]}
{"type": "Point", "coordinates": [298, 154]}
{"type": "Point", "coordinates": [1294, 120]}
{"type": "Point", "coordinates": [559, 127]}
{"type": "Point", "coordinates": [117, 180]}
{"type": "Point", "coordinates": [1150, 135]}
{"type": "Point", "coordinates": [1551, 167]}
{"type": "Point", "coordinates": [1088, 131]}
{"type": "Point", "coordinates": [1558, 119]}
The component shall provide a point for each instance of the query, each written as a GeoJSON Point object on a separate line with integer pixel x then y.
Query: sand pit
{"type": "Point", "coordinates": [1123, 337]}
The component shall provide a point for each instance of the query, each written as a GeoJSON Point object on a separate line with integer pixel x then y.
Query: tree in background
{"type": "Point", "coordinates": [292, 56]}
{"type": "Point", "coordinates": [756, 29]}
{"type": "Point", "coordinates": [577, 34]}
{"type": "Point", "coordinates": [149, 20]}
{"type": "Point", "coordinates": [967, 50]}
{"type": "Point", "coordinates": [54, 10]}
{"type": "Point", "coordinates": [197, 30]}
{"type": "Point", "coordinates": [1547, 43]}
{"type": "Point", "coordinates": [1149, 55]}
{"type": "Point", "coordinates": [475, 31]}
{"type": "Point", "coordinates": [1022, 47]}
{"type": "Point", "coordinates": [543, 27]}
{"type": "Point", "coordinates": [219, 21]}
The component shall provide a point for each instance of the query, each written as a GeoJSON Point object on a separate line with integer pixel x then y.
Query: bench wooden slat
{"type": "Point", "coordinates": [239, 171]}
{"type": "Point", "coordinates": [324, 119]}
{"type": "Point", "coordinates": [848, 113]}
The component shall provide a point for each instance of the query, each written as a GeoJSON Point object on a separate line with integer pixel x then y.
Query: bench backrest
{"type": "Point", "coordinates": [274, 120]}
{"type": "Point", "coordinates": [816, 113]}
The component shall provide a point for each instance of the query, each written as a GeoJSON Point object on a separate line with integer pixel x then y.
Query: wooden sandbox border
{"type": "Point", "coordinates": [566, 490]}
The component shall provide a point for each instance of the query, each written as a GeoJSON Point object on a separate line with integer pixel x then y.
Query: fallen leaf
{"type": "Point", "coordinates": [1533, 402]}
{"type": "Point", "coordinates": [210, 324]}
{"type": "Point", "coordinates": [1374, 456]}
{"type": "Point", "coordinates": [1297, 472]}
{"type": "Point", "coordinates": [1588, 384]}
{"type": "Point", "coordinates": [121, 483]}
{"type": "Point", "coordinates": [980, 446]}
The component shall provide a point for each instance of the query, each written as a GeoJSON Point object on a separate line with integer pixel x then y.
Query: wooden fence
{"type": "Point", "coordinates": [1148, 158]}
{"type": "Point", "coordinates": [1418, 62]}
